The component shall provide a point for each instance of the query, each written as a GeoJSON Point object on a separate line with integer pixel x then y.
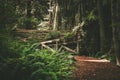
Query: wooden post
{"type": "Point", "coordinates": [55, 24]}
{"type": "Point", "coordinates": [78, 47]}
{"type": "Point", "coordinates": [56, 45]}
{"type": "Point", "coordinates": [50, 13]}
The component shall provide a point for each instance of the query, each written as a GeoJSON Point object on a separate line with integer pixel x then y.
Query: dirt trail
{"type": "Point", "coordinates": [95, 69]}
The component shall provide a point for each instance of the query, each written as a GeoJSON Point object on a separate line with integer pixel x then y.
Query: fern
{"type": "Point", "coordinates": [91, 16]}
{"type": "Point", "coordinates": [45, 63]}
{"type": "Point", "coordinates": [36, 64]}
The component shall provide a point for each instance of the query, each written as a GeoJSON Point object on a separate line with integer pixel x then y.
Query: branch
{"type": "Point", "coordinates": [68, 49]}
{"type": "Point", "coordinates": [47, 47]}
{"type": "Point", "coordinates": [77, 27]}
{"type": "Point", "coordinates": [50, 41]}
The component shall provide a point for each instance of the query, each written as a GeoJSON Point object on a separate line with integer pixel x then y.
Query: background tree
{"type": "Point", "coordinates": [102, 25]}
{"type": "Point", "coordinates": [30, 12]}
{"type": "Point", "coordinates": [116, 28]}
{"type": "Point", "coordinates": [7, 14]}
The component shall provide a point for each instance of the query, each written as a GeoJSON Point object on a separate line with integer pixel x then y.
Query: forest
{"type": "Point", "coordinates": [60, 39]}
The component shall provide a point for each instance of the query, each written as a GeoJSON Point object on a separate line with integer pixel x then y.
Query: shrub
{"type": "Point", "coordinates": [9, 47]}
{"type": "Point", "coordinates": [37, 65]}
{"type": "Point", "coordinates": [25, 61]}
{"type": "Point", "coordinates": [48, 65]}
{"type": "Point", "coordinates": [68, 37]}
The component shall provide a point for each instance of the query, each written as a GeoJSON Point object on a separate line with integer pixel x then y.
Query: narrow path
{"type": "Point", "coordinates": [95, 69]}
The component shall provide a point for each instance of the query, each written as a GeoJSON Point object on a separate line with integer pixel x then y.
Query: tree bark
{"type": "Point", "coordinates": [28, 15]}
{"type": "Point", "coordinates": [102, 26]}
{"type": "Point", "coordinates": [50, 13]}
{"type": "Point", "coordinates": [116, 29]}
{"type": "Point", "coordinates": [55, 24]}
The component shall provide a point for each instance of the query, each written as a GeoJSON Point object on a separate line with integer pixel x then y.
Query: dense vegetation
{"type": "Point", "coordinates": [25, 61]}
{"type": "Point", "coordinates": [99, 36]}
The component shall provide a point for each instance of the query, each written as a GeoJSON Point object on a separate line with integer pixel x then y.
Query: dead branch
{"type": "Point", "coordinates": [68, 49]}
{"type": "Point", "coordinates": [50, 41]}
{"type": "Point", "coordinates": [75, 29]}
{"type": "Point", "coordinates": [47, 47]}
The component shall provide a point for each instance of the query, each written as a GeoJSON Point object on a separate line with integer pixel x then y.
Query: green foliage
{"type": "Point", "coordinates": [110, 57]}
{"type": "Point", "coordinates": [99, 54]}
{"type": "Point", "coordinates": [49, 65]}
{"type": "Point", "coordinates": [38, 9]}
{"type": "Point", "coordinates": [7, 14]}
{"type": "Point", "coordinates": [9, 47]}
{"type": "Point", "coordinates": [68, 36]}
{"type": "Point", "coordinates": [23, 21]}
{"type": "Point", "coordinates": [102, 55]}
{"type": "Point", "coordinates": [41, 65]}
{"type": "Point", "coordinates": [52, 35]}
{"type": "Point", "coordinates": [91, 16]}
{"type": "Point", "coordinates": [35, 64]}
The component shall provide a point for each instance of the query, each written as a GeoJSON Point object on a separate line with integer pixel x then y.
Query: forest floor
{"type": "Point", "coordinates": [95, 69]}
{"type": "Point", "coordinates": [88, 68]}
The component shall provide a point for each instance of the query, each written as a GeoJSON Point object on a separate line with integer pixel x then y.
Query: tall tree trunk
{"type": "Point", "coordinates": [116, 29]}
{"type": "Point", "coordinates": [102, 26]}
{"type": "Point", "coordinates": [55, 24]}
{"type": "Point", "coordinates": [28, 15]}
{"type": "Point", "coordinates": [50, 13]}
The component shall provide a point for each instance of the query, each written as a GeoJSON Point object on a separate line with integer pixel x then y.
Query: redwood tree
{"type": "Point", "coordinates": [102, 25]}
{"type": "Point", "coordinates": [115, 8]}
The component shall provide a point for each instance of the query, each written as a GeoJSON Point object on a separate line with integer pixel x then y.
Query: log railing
{"type": "Point", "coordinates": [56, 43]}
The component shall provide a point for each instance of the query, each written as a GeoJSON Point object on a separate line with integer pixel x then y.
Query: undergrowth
{"type": "Point", "coordinates": [52, 35]}
{"type": "Point", "coordinates": [31, 63]}
{"type": "Point", "coordinates": [102, 55]}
